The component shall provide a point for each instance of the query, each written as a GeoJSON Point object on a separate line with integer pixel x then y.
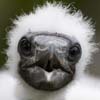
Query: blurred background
{"type": "Point", "coordinates": [9, 9]}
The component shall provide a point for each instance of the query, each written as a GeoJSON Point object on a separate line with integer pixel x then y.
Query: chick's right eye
{"type": "Point", "coordinates": [25, 46]}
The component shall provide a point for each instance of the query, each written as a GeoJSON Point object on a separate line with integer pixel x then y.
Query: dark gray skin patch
{"type": "Point", "coordinates": [36, 78]}
{"type": "Point", "coordinates": [48, 53]}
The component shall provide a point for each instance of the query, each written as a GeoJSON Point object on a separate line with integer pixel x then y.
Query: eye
{"type": "Point", "coordinates": [74, 52]}
{"type": "Point", "coordinates": [25, 46]}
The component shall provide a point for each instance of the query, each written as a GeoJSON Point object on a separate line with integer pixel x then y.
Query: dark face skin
{"type": "Point", "coordinates": [48, 60]}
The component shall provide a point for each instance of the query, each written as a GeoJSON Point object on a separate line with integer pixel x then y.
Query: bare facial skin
{"type": "Point", "coordinates": [48, 60]}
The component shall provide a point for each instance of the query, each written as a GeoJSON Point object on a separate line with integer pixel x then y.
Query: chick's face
{"type": "Point", "coordinates": [47, 60]}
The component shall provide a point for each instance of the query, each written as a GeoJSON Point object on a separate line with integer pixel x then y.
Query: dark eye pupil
{"type": "Point", "coordinates": [25, 46]}
{"type": "Point", "coordinates": [74, 51]}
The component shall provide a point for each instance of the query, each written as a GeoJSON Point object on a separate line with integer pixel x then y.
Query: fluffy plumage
{"type": "Point", "coordinates": [53, 18]}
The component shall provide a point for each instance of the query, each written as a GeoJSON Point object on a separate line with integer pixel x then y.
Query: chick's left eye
{"type": "Point", "coordinates": [74, 53]}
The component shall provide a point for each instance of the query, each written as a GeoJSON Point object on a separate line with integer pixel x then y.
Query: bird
{"type": "Point", "coordinates": [48, 52]}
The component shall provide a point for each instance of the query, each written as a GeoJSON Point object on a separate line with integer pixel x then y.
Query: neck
{"type": "Point", "coordinates": [25, 92]}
